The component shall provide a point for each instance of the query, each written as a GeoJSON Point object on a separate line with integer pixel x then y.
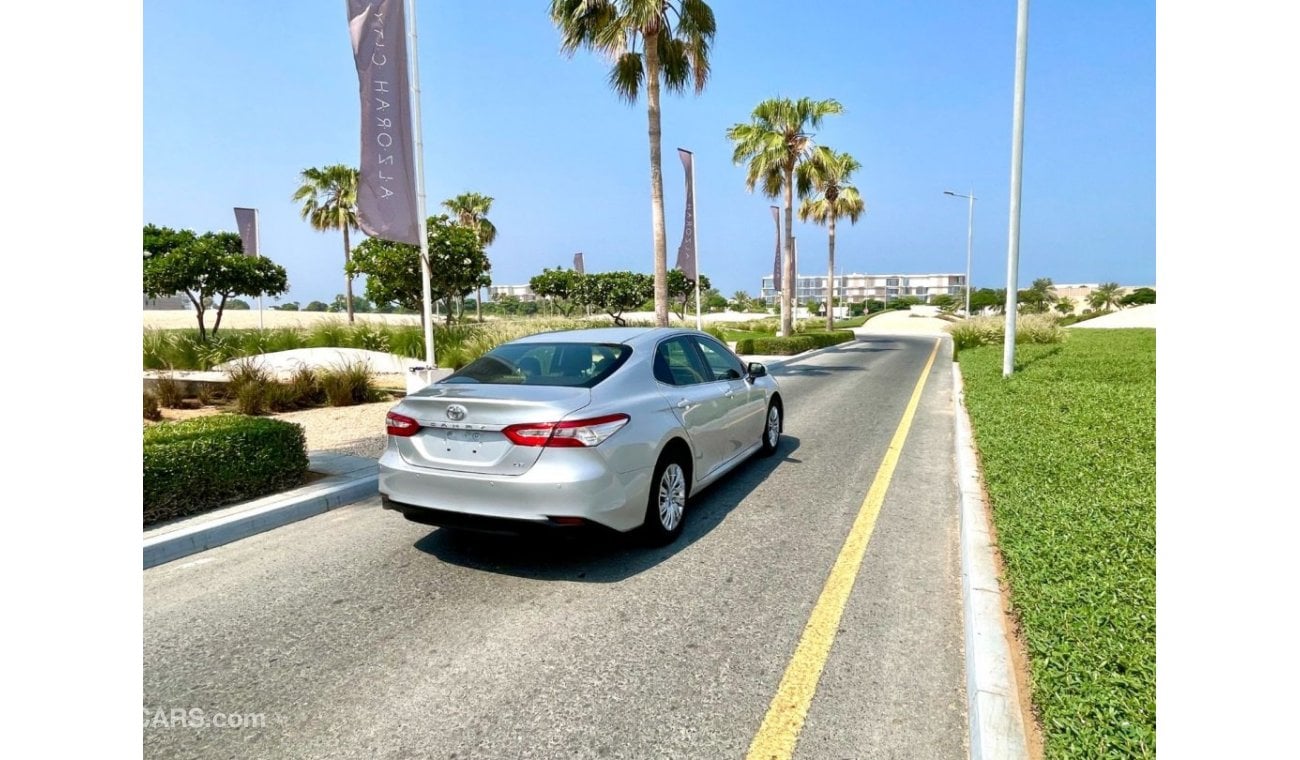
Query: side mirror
{"type": "Point", "coordinates": [756, 369]}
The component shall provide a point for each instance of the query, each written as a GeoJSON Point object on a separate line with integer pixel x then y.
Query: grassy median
{"type": "Point", "coordinates": [1068, 446]}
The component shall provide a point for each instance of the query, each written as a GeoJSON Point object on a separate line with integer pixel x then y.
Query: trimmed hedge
{"type": "Point", "coordinates": [200, 464]}
{"type": "Point", "coordinates": [793, 344]}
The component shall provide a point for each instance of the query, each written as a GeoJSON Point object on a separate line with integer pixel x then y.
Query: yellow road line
{"type": "Point", "coordinates": [777, 737]}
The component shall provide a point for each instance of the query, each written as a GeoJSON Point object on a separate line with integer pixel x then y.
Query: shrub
{"type": "Point", "coordinates": [981, 331]}
{"type": "Point", "coordinates": [716, 332]}
{"type": "Point", "coordinates": [196, 465]}
{"type": "Point", "coordinates": [169, 392]}
{"type": "Point", "coordinates": [785, 346]}
{"type": "Point", "coordinates": [304, 388]}
{"type": "Point", "coordinates": [151, 410]}
{"type": "Point", "coordinates": [745, 346]}
{"type": "Point", "coordinates": [203, 393]}
{"type": "Point", "coordinates": [348, 384]}
{"type": "Point", "coordinates": [252, 387]}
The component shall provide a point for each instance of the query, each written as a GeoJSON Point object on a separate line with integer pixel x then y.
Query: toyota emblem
{"type": "Point", "coordinates": [456, 412]}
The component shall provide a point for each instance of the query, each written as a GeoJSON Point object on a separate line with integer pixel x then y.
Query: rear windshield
{"type": "Point", "coordinates": [579, 365]}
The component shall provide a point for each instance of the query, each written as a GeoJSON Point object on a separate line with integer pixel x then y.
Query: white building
{"type": "Point", "coordinates": [522, 292]}
{"type": "Point", "coordinates": [861, 287]}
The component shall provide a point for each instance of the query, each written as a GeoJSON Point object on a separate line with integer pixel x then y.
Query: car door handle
{"type": "Point", "coordinates": [684, 404]}
{"type": "Point", "coordinates": [730, 393]}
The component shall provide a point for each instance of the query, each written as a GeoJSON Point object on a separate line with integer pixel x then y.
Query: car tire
{"type": "Point", "coordinates": [772, 426]}
{"type": "Point", "coordinates": [666, 509]}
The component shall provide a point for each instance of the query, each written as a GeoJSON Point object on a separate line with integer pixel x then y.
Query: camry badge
{"type": "Point", "coordinates": [456, 412]}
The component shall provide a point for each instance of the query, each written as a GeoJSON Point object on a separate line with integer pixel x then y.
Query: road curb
{"type": "Point", "coordinates": [993, 705]}
{"type": "Point", "coordinates": [262, 515]}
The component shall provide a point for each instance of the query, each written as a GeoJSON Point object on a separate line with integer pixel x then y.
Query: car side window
{"type": "Point", "coordinates": [722, 363]}
{"type": "Point", "coordinates": [677, 363]}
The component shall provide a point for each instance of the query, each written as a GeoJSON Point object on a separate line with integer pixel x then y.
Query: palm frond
{"type": "Point", "coordinates": [627, 75]}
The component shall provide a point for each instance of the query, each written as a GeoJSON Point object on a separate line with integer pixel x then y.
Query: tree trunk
{"type": "Point", "coordinates": [787, 261]}
{"type": "Point", "coordinates": [478, 305]}
{"type": "Point", "coordinates": [656, 180]}
{"type": "Point", "coordinates": [830, 278]}
{"type": "Point", "coordinates": [198, 313]}
{"type": "Point", "coordinates": [347, 258]}
{"type": "Point", "coordinates": [221, 309]}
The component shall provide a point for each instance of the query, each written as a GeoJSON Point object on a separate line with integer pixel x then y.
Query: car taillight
{"type": "Point", "coordinates": [401, 425]}
{"type": "Point", "coordinates": [567, 434]}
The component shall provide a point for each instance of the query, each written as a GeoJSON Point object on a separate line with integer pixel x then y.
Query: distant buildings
{"type": "Point", "coordinates": [861, 287]}
{"type": "Point", "coordinates": [522, 292]}
{"type": "Point", "coordinates": [173, 302]}
{"type": "Point", "coordinates": [1079, 294]}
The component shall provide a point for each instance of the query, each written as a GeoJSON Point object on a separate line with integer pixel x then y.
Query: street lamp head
{"type": "Point", "coordinates": [948, 192]}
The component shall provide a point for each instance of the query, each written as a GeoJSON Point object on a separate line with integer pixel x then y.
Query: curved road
{"type": "Point", "coordinates": [357, 634]}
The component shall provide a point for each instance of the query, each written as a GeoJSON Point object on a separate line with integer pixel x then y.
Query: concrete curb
{"type": "Point", "coordinates": [993, 706]}
{"type": "Point", "coordinates": [259, 516]}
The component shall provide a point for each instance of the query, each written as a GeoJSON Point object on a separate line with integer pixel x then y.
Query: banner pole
{"type": "Point", "coordinates": [425, 268]}
{"type": "Point", "coordinates": [257, 225]}
{"type": "Point", "coordinates": [695, 233]}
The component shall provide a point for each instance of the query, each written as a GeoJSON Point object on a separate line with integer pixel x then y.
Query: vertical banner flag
{"type": "Point", "coordinates": [386, 202]}
{"type": "Point", "coordinates": [776, 262]}
{"type": "Point", "coordinates": [246, 221]}
{"type": "Point", "coordinates": [686, 252]}
{"type": "Point", "coordinates": [577, 263]}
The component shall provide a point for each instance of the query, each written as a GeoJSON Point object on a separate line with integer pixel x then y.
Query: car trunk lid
{"type": "Point", "coordinates": [461, 425]}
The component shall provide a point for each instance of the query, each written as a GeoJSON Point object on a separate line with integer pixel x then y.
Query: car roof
{"type": "Point", "coordinates": [632, 336]}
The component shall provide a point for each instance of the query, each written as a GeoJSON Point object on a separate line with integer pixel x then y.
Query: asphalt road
{"type": "Point", "coordinates": [358, 634]}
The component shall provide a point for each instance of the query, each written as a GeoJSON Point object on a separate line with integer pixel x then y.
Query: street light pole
{"type": "Point", "coordinates": [970, 236]}
{"type": "Point", "coordinates": [1017, 152]}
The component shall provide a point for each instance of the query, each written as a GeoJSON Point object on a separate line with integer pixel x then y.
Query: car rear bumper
{"type": "Point", "coordinates": [572, 484]}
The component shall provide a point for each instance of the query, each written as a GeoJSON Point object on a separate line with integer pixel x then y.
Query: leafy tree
{"type": "Point", "coordinates": [360, 304]}
{"type": "Point", "coordinates": [392, 270]}
{"type": "Point", "coordinates": [714, 301]}
{"type": "Point", "coordinates": [565, 288]}
{"type": "Point", "coordinates": [208, 269]}
{"type": "Point", "coordinates": [616, 292]}
{"type": "Point", "coordinates": [1139, 297]}
{"type": "Point", "coordinates": [238, 304]}
{"type": "Point", "coordinates": [471, 210]}
{"type": "Point", "coordinates": [776, 141]}
{"type": "Point", "coordinates": [508, 305]}
{"type": "Point", "coordinates": [681, 291]}
{"type": "Point", "coordinates": [742, 300]}
{"type": "Point", "coordinates": [317, 306]}
{"type": "Point", "coordinates": [873, 305]}
{"type": "Point", "coordinates": [832, 197]}
{"type": "Point", "coordinates": [651, 43]}
{"type": "Point", "coordinates": [987, 298]}
{"type": "Point", "coordinates": [946, 303]}
{"type": "Point", "coordinates": [290, 306]}
{"type": "Point", "coordinates": [1106, 296]}
{"type": "Point", "coordinates": [329, 202]}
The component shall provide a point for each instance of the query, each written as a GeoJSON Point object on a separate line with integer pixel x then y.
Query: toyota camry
{"type": "Point", "coordinates": [616, 427]}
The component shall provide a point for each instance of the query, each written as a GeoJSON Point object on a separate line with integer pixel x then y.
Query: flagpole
{"type": "Point", "coordinates": [695, 233]}
{"type": "Point", "coordinates": [258, 242]}
{"type": "Point", "coordinates": [425, 269]}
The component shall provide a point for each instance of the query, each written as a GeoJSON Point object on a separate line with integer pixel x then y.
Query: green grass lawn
{"type": "Point", "coordinates": [1068, 446]}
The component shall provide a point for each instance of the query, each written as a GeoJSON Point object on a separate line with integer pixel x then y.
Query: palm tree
{"type": "Point", "coordinates": [329, 202]}
{"type": "Point", "coordinates": [827, 174]}
{"type": "Point", "coordinates": [646, 47]}
{"type": "Point", "coordinates": [1105, 296]}
{"type": "Point", "coordinates": [1065, 305]}
{"type": "Point", "coordinates": [775, 142]}
{"type": "Point", "coordinates": [471, 210]}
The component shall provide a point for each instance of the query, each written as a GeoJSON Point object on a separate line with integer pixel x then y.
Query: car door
{"type": "Point", "coordinates": [700, 404]}
{"type": "Point", "coordinates": [746, 404]}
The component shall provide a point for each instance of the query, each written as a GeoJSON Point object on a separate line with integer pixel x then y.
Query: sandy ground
{"type": "Point", "coordinates": [1137, 316]}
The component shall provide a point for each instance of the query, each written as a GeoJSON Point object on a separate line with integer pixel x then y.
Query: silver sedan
{"type": "Point", "coordinates": [614, 427]}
